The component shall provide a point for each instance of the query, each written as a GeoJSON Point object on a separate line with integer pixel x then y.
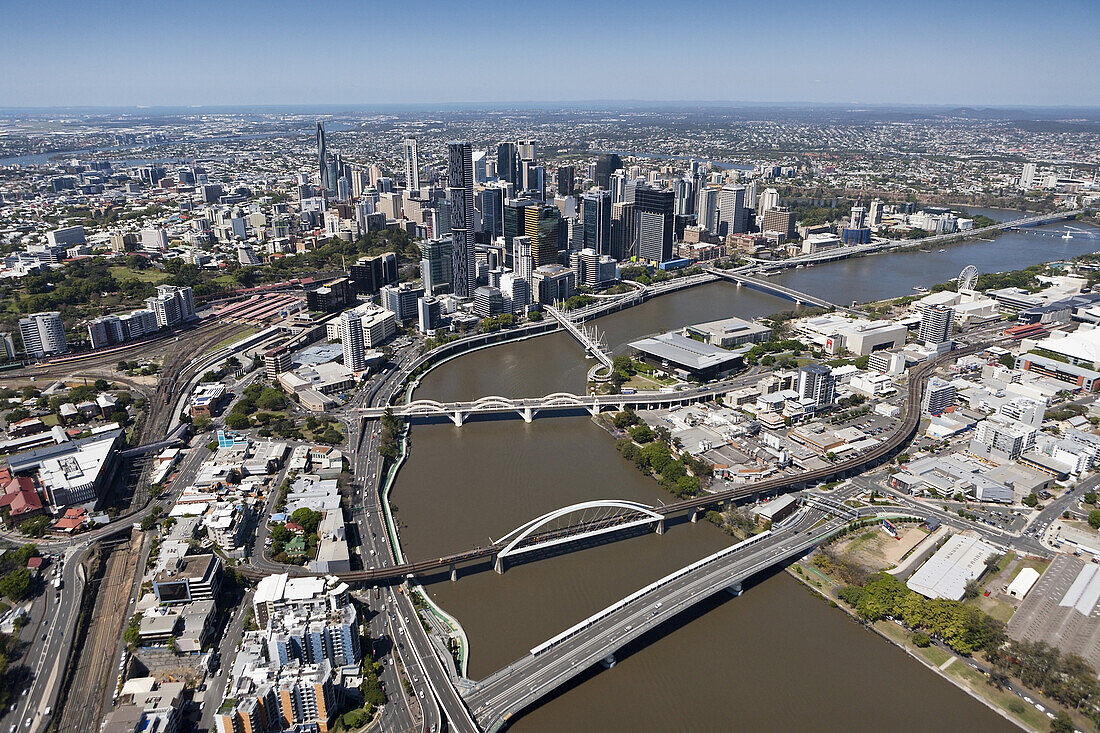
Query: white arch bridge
{"type": "Point", "coordinates": [528, 407]}
{"type": "Point", "coordinates": [574, 523]}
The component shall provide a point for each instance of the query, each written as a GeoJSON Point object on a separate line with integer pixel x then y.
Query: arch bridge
{"type": "Point", "coordinates": [574, 523]}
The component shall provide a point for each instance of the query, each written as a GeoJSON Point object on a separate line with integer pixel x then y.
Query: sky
{"type": "Point", "coordinates": [256, 52]}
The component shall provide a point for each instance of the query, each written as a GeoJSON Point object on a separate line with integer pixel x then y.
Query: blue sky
{"type": "Point", "coordinates": [976, 52]}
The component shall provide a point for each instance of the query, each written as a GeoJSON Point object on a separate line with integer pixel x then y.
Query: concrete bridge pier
{"type": "Point", "coordinates": [528, 414]}
{"type": "Point", "coordinates": [458, 417]}
{"type": "Point", "coordinates": [498, 565]}
{"type": "Point", "coordinates": [609, 661]}
{"type": "Point", "coordinates": [661, 526]}
{"type": "Point", "coordinates": [694, 516]}
{"type": "Point", "coordinates": [454, 572]}
{"type": "Point", "coordinates": [735, 589]}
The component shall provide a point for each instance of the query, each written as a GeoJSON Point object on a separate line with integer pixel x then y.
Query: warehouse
{"type": "Point", "coordinates": [945, 574]}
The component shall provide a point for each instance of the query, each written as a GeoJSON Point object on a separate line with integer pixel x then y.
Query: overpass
{"type": "Point", "coordinates": [495, 700]}
{"type": "Point", "coordinates": [772, 288]}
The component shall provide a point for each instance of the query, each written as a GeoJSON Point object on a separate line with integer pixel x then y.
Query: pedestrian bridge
{"type": "Point", "coordinates": [767, 286]}
{"type": "Point", "coordinates": [590, 340]}
{"type": "Point", "coordinates": [528, 407]}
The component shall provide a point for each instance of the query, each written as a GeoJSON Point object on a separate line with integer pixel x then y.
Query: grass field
{"type": "Point", "coordinates": [123, 274]}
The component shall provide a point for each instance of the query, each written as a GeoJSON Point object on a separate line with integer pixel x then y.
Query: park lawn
{"type": "Point", "coordinates": [51, 420]}
{"type": "Point", "coordinates": [931, 654]}
{"type": "Point", "coordinates": [122, 273]}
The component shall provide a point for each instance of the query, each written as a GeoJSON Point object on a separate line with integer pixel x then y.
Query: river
{"type": "Point", "coordinates": [776, 658]}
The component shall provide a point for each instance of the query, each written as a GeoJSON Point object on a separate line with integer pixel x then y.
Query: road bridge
{"type": "Point", "coordinates": [772, 288]}
{"type": "Point", "coordinates": [503, 694]}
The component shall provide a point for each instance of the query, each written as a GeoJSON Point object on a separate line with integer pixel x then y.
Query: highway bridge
{"type": "Point", "coordinates": [500, 696]}
{"type": "Point", "coordinates": [772, 288]}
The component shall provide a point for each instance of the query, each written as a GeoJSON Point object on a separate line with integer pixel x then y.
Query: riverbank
{"type": "Point", "coordinates": [949, 667]}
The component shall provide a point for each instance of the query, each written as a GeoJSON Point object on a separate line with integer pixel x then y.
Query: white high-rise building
{"type": "Point", "coordinates": [516, 292]}
{"type": "Point", "coordinates": [460, 194]}
{"type": "Point", "coordinates": [522, 257]}
{"type": "Point", "coordinates": [154, 240]}
{"type": "Point", "coordinates": [731, 210]}
{"type": "Point", "coordinates": [706, 209]}
{"type": "Point", "coordinates": [412, 165]}
{"type": "Point", "coordinates": [816, 382]}
{"type": "Point", "coordinates": [351, 340]}
{"type": "Point", "coordinates": [768, 201]}
{"type": "Point", "coordinates": [938, 396]}
{"type": "Point", "coordinates": [171, 305]}
{"type": "Point", "coordinates": [1027, 176]}
{"type": "Point", "coordinates": [874, 214]}
{"type": "Point", "coordinates": [43, 334]}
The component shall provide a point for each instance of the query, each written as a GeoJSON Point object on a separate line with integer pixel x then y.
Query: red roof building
{"type": "Point", "coordinates": [20, 497]}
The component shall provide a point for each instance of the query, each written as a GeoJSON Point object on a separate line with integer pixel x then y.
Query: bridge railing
{"type": "Point", "coordinates": [600, 615]}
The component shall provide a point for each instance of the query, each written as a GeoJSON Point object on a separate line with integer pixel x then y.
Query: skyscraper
{"type": "Point", "coordinates": [460, 194]}
{"type": "Point", "coordinates": [768, 201]}
{"type": "Point", "coordinates": [654, 214]}
{"type": "Point", "coordinates": [526, 150]}
{"type": "Point", "coordinates": [816, 382]}
{"type": "Point", "coordinates": [685, 197]}
{"type": "Point", "coordinates": [731, 210]}
{"type": "Point", "coordinates": [566, 174]}
{"type": "Point", "coordinates": [412, 165]}
{"type": "Point", "coordinates": [935, 324]}
{"type": "Point", "coordinates": [874, 214]}
{"type": "Point", "coordinates": [706, 209]}
{"type": "Point", "coordinates": [606, 164]}
{"type": "Point", "coordinates": [1027, 176]}
{"type": "Point", "coordinates": [542, 224]}
{"type": "Point", "coordinates": [506, 163]}
{"type": "Point", "coordinates": [597, 220]}
{"type": "Point", "coordinates": [522, 261]}
{"type": "Point", "coordinates": [859, 216]}
{"type": "Point", "coordinates": [322, 157]}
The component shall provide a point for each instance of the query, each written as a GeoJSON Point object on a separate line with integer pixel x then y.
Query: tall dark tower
{"type": "Point", "coordinates": [322, 156]}
{"type": "Point", "coordinates": [460, 194]}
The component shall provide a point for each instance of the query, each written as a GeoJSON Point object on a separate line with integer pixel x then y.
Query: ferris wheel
{"type": "Point", "coordinates": [968, 278]}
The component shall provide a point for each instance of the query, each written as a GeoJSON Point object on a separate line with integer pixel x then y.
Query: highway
{"type": "Point", "coordinates": [46, 657]}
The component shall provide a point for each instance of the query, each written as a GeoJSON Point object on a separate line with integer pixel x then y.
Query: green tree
{"type": "Point", "coordinates": [16, 585]}
{"type": "Point", "coordinates": [626, 418]}
{"type": "Point", "coordinates": [641, 434]}
{"type": "Point", "coordinates": [236, 421]}
{"type": "Point", "coordinates": [307, 519]}
{"type": "Point", "coordinates": [148, 522]}
{"type": "Point", "coordinates": [921, 639]}
{"type": "Point", "coordinates": [1031, 500]}
{"type": "Point", "coordinates": [1089, 497]}
{"type": "Point", "coordinates": [1094, 519]}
